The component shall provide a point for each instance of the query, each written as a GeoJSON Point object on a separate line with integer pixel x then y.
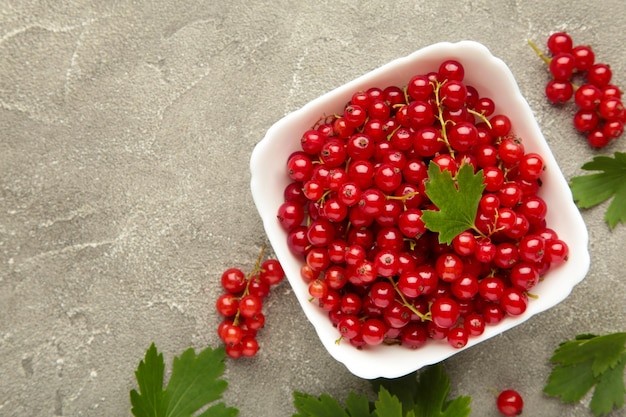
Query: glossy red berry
{"type": "Point", "coordinates": [510, 403]}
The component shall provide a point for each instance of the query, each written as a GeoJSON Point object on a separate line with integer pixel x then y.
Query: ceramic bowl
{"type": "Point", "coordinates": [492, 78]}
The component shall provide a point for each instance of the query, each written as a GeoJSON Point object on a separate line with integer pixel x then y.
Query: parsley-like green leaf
{"type": "Point", "coordinates": [456, 200]}
{"type": "Point", "coordinates": [195, 382]}
{"type": "Point", "coordinates": [358, 406]}
{"type": "Point", "coordinates": [428, 396]}
{"type": "Point", "coordinates": [400, 397]}
{"type": "Point", "coordinates": [388, 405]}
{"type": "Point", "coordinates": [405, 388]}
{"type": "Point", "coordinates": [310, 406]}
{"type": "Point", "coordinates": [592, 189]}
{"type": "Point", "coordinates": [586, 362]}
{"type": "Point", "coordinates": [432, 400]}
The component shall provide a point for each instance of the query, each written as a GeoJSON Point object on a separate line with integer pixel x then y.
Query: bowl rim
{"type": "Point", "coordinates": [379, 365]}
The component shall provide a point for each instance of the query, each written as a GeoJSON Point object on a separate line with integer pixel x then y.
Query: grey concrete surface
{"type": "Point", "coordinates": [126, 129]}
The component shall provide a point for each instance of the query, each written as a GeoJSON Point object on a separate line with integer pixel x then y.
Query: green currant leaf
{"type": "Point", "coordinates": [570, 382]}
{"type": "Point", "coordinates": [433, 388]}
{"type": "Point", "coordinates": [400, 397]}
{"type": "Point", "coordinates": [387, 405]}
{"type": "Point", "coordinates": [358, 406]}
{"type": "Point", "coordinates": [149, 375]}
{"type": "Point", "coordinates": [405, 388]}
{"type": "Point", "coordinates": [310, 406]}
{"type": "Point", "coordinates": [610, 391]}
{"type": "Point", "coordinates": [592, 189]}
{"type": "Point", "coordinates": [590, 361]}
{"type": "Point", "coordinates": [195, 382]}
{"type": "Point", "coordinates": [456, 200]}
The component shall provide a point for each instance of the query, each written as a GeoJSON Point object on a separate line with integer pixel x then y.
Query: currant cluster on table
{"type": "Point", "coordinates": [600, 114]}
{"type": "Point", "coordinates": [241, 305]}
{"type": "Point", "coordinates": [353, 211]}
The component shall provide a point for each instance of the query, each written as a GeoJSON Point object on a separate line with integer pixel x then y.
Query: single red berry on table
{"type": "Point", "coordinates": [510, 403]}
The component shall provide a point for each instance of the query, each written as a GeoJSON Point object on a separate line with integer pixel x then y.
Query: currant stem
{"type": "Point", "coordinates": [441, 119]}
{"type": "Point", "coordinates": [481, 116]}
{"type": "Point", "coordinates": [538, 52]}
{"type": "Point", "coordinates": [424, 317]}
{"type": "Point", "coordinates": [255, 270]}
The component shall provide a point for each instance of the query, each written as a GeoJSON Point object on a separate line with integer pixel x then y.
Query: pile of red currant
{"type": "Point", "coordinates": [242, 305]}
{"type": "Point", "coordinates": [353, 211]}
{"type": "Point", "coordinates": [600, 114]}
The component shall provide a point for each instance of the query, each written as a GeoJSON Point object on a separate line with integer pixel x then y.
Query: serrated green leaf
{"type": "Point", "coordinates": [387, 405]}
{"type": "Point", "coordinates": [610, 391]}
{"type": "Point", "coordinates": [149, 376]}
{"type": "Point", "coordinates": [405, 388]}
{"type": "Point", "coordinates": [322, 406]}
{"type": "Point", "coordinates": [460, 406]}
{"type": "Point", "coordinates": [570, 382]}
{"type": "Point", "coordinates": [358, 405]}
{"type": "Point", "coordinates": [456, 200]}
{"type": "Point", "coordinates": [592, 189]}
{"type": "Point", "coordinates": [195, 383]}
{"type": "Point", "coordinates": [604, 351]}
{"type": "Point", "coordinates": [433, 388]}
{"type": "Point", "coordinates": [586, 362]}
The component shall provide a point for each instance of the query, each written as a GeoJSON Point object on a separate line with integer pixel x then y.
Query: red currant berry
{"type": "Point", "coordinates": [453, 94]}
{"type": "Point", "coordinates": [485, 106]}
{"type": "Point", "coordinates": [588, 96]}
{"type": "Point", "coordinates": [420, 88]}
{"type": "Point", "coordinates": [491, 288]}
{"type": "Point", "coordinates": [462, 136]}
{"type": "Point", "coordinates": [474, 323]}
{"type": "Point", "coordinates": [249, 346]}
{"type": "Point", "coordinates": [349, 326]}
{"type": "Point", "coordinates": [444, 312]}
{"type": "Point", "coordinates": [233, 280]}
{"type": "Point", "coordinates": [413, 335]}
{"type": "Point", "coordinates": [449, 267]}
{"type": "Point", "coordinates": [514, 301]}
{"type": "Point", "coordinates": [373, 331]}
{"type": "Point", "coordinates": [457, 337]}
{"type": "Point", "coordinates": [611, 109]}
{"type": "Point", "coordinates": [360, 146]}
{"type": "Point", "coordinates": [562, 66]}
{"type": "Point", "coordinates": [599, 75]}
{"type": "Point", "coordinates": [318, 289]}
{"type": "Point", "coordinates": [524, 275]}
{"type": "Point", "coordinates": [250, 305]}
{"type": "Point", "coordinates": [559, 91]}
{"type": "Point", "coordinates": [511, 151]}
{"type": "Point", "coordinates": [597, 138]}
{"type": "Point", "coordinates": [227, 305]}
{"type": "Point", "coordinates": [500, 125]}
{"type": "Point", "coordinates": [613, 129]}
{"type": "Point", "coordinates": [420, 114]}
{"type": "Point", "coordinates": [510, 403]}
{"type": "Point", "coordinates": [300, 167]}
{"type": "Point", "coordinates": [451, 70]}
{"type": "Point", "coordinates": [586, 120]}
{"type": "Point", "coordinates": [584, 57]}
{"type": "Point", "coordinates": [560, 42]}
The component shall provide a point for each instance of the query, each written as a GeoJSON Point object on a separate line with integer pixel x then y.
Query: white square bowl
{"type": "Point", "coordinates": [492, 78]}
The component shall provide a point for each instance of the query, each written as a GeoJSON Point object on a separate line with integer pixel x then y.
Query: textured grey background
{"type": "Point", "coordinates": [126, 129]}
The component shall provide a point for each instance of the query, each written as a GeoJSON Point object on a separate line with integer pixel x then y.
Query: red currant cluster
{"type": "Point", "coordinates": [600, 112]}
{"type": "Point", "coordinates": [242, 305]}
{"type": "Point", "coordinates": [353, 211]}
